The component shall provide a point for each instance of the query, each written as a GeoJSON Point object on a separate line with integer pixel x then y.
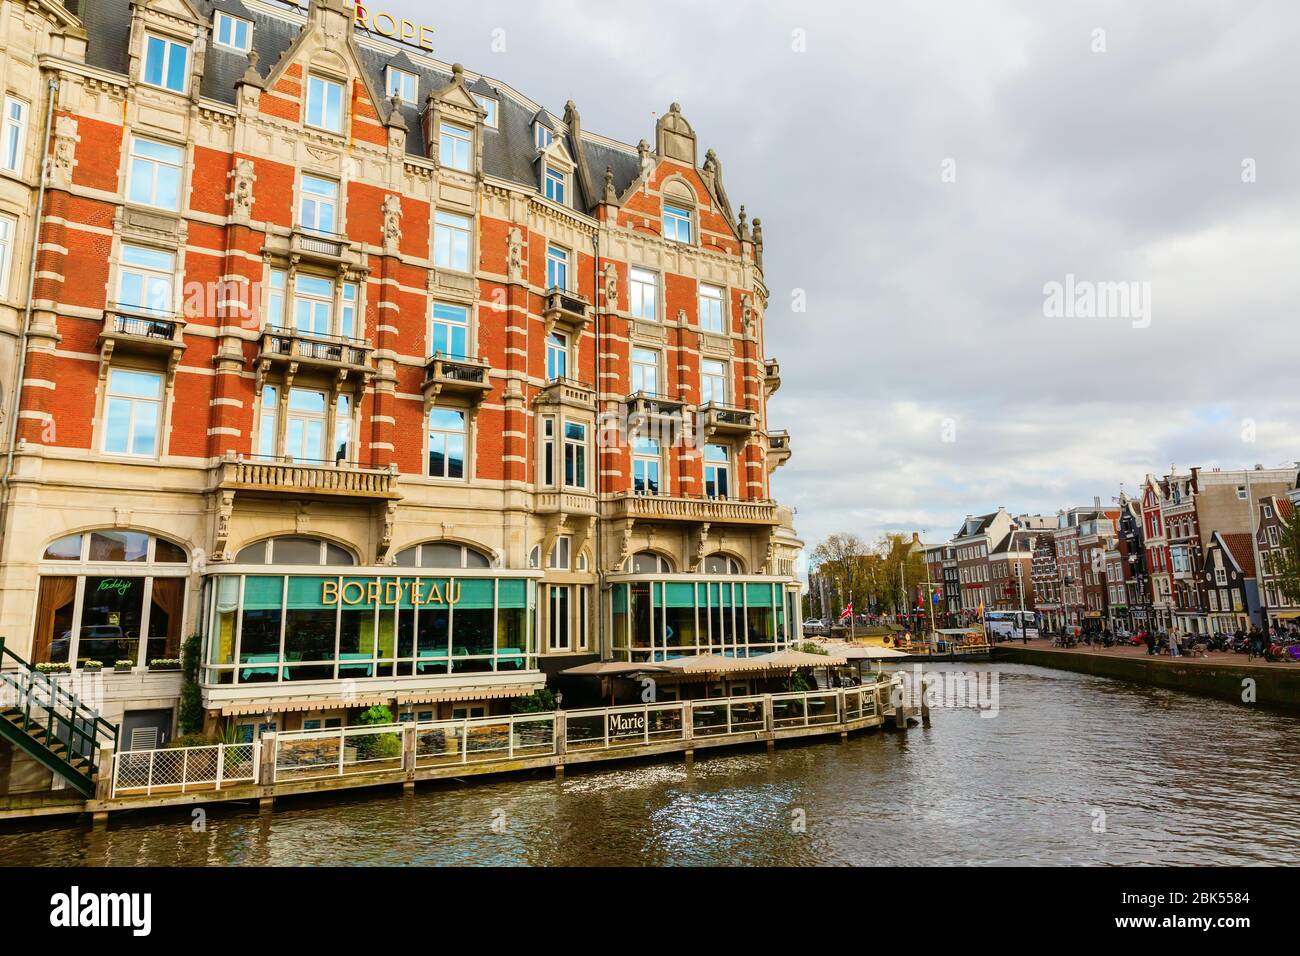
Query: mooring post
{"type": "Point", "coordinates": [561, 741]}
{"type": "Point", "coordinates": [266, 772]}
{"type": "Point", "coordinates": [408, 756]}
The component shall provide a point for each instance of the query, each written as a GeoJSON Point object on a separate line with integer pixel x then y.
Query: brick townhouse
{"type": "Point", "coordinates": [394, 385]}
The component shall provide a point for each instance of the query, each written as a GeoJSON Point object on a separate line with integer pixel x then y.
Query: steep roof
{"type": "Point", "coordinates": [1242, 550]}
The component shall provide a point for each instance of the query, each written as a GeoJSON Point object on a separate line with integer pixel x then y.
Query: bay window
{"type": "Point", "coordinates": [575, 454]}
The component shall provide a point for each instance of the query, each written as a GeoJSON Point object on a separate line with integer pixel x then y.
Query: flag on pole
{"type": "Point", "coordinates": [847, 612]}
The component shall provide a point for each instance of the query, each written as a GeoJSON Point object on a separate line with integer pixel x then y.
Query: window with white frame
{"type": "Point", "coordinates": [305, 421]}
{"type": "Point", "coordinates": [233, 32]}
{"type": "Point", "coordinates": [548, 451]}
{"type": "Point", "coordinates": [449, 330]}
{"type": "Point", "coordinates": [454, 146]}
{"type": "Point", "coordinates": [557, 268]}
{"type": "Point", "coordinates": [1272, 536]}
{"type": "Point", "coordinates": [276, 287]}
{"type": "Point", "coordinates": [132, 412]}
{"type": "Point", "coordinates": [166, 63]}
{"type": "Point", "coordinates": [268, 421]}
{"type": "Point", "coordinates": [451, 235]}
{"type": "Point", "coordinates": [646, 458]}
{"type": "Point", "coordinates": [154, 174]}
{"type": "Point", "coordinates": [8, 227]}
{"type": "Point", "coordinates": [710, 308]}
{"type": "Point", "coordinates": [713, 382]}
{"type": "Point", "coordinates": [318, 204]}
{"type": "Point", "coordinates": [313, 305]}
{"type": "Point", "coordinates": [557, 355]}
{"type": "Point", "coordinates": [582, 595]}
{"type": "Point", "coordinates": [643, 292]}
{"type": "Point", "coordinates": [558, 617]}
{"type": "Point", "coordinates": [677, 223]}
{"type": "Point", "coordinates": [401, 84]}
{"type": "Point", "coordinates": [343, 447]}
{"type": "Point", "coordinates": [645, 371]}
{"type": "Point", "coordinates": [14, 134]}
{"type": "Point", "coordinates": [144, 280]}
{"type": "Point", "coordinates": [558, 559]}
{"type": "Point", "coordinates": [556, 185]}
{"type": "Point", "coordinates": [544, 137]}
{"type": "Point", "coordinates": [717, 471]}
{"type": "Point", "coordinates": [324, 104]}
{"type": "Point", "coordinates": [575, 454]}
{"type": "Point", "coordinates": [447, 443]}
{"type": "Point", "coordinates": [489, 105]}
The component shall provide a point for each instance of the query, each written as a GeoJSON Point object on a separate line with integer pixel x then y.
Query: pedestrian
{"type": "Point", "coordinates": [1173, 644]}
{"type": "Point", "coordinates": [1149, 640]}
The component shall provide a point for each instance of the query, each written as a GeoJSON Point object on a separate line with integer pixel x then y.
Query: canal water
{"type": "Point", "coordinates": [1073, 769]}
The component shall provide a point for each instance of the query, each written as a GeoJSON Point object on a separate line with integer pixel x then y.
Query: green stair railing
{"type": "Point", "coordinates": [52, 724]}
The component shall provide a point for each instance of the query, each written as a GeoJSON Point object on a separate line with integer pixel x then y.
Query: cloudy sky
{"type": "Point", "coordinates": [923, 172]}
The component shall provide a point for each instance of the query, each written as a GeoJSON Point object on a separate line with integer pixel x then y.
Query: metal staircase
{"type": "Point", "coordinates": [50, 723]}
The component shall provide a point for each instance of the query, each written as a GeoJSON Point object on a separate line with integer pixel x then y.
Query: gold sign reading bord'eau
{"type": "Point", "coordinates": [389, 592]}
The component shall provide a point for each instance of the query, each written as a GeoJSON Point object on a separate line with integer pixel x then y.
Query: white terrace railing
{"type": "Point", "coordinates": [396, 748]}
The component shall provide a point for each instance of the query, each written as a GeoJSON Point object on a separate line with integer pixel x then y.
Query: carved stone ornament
{"type": "Point", "coordinates": [611, 196]}
{"type": "Point", "coordinates": [611, 287]}
{"type": "Point", "coordinates": [65, 149]}
{"type": "Point", "coordinates": [242, 194]}
{"type": "Point", "coordinates": [392, 224]}
{"type": "Point", "coordinates": [515, 255]}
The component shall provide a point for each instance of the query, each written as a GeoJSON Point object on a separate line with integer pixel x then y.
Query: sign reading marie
{"type": "Point", "coordinates": [392, 27]}
{"type": "Point", "coordinates": [626, 724]}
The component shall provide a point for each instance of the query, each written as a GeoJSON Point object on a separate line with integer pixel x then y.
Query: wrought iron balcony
{"type": "Point", "coordinates": [565, 308]}
{"type": "Point", "coordinates": [644, 507]}
{"type": "Point", "coordinates": [778, 449]}
{"type": "Point", "coordinates": [567, 391]}
{"type": "Point", "coordinates": [726, 420]}
{"type": "Point", "coordinates": [129, 328]}
{"type": "Point", "coordinates": [459, 375]}
{"type": "Point", "coordinates": [332, 352]}
{"type": "Point", "coordinates": [771, 376]}
{"type": "Point", "coordinates": [299, 478]}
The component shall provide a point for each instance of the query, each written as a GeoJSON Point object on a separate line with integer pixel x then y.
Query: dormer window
{"type": "Point", "coordinates": [325, 104]}
{"type": "Point", "coordinates": [402, 85]}
{"type": "Point", "coordinates": [544, 137]}
{"type": "Point", "coordinates": [232, 32]}
{"type": "Point", "coordinates": [454, 144]}
{"type": "Point", "coordinates": [166, 63]}
{"type": "Point", "coordinates": [556, 186]}
{"type": "Point", "coordinates": [489, 107]}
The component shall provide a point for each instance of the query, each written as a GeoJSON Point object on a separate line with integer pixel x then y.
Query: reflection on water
{"type": "Point", "coordinates": [1180, 779]}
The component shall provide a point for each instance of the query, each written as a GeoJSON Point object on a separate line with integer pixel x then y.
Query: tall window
{"type": "Point", "coordinates": [132, 412]}
{"type": "Point", "coordinates": [677, 223]}
{"type": "Point", "coordinates": [645, 466]}
{"type": "Point", "coordinates": [449, 330]}
{"type": "Point", "coordinates": [710, 308]}
{"type": "Point", "coordinates": [233, 32]}
{"type": "Point", "coordinates": [451, 241]}
{"type": "Point", "coordinates": [575, 454]}
{"type": "Point", "coordinates": [557, 268]}
{"type": "Point", "coordinates": [318, 205]}
{"type": "Point", "coordinates": [557, 355]}
{"type": "Point", "coordinates": [446, 443]}
{"type": "Point", "coordinates": [275, 297]}
{"type": "Point", "coordinates": [14, 134]}
{"type": "Point", "coordinates": [713, 382]}
{"type": "Point", "coordinates": [8, 225]}
{"type": "Point", "coordinates": [643, 289]}
{"type": "Point", "coordinates": [559, 558]}
{"type": "Point", "coordinates": [555, 181]}
{"type": "Point", "coordinates": [144, 280]}
{"type": "Point", "coordinates": [313, 305]}
{"type": "Point", "coordinates": [717, 471]}
{"type": "Point", "coordinates": [454, 144]}
{"type": "Point", "coordinates": [343, 429]}
{"type": "Point", "coordinates": [154, 174]}
{"type": "Point", "coordinates": [304, 432]}
{"type": "Point", "coordinates": [268, 421]}
{"type": "Point", "coordinates": [645, 371]}
{"type": "Point", "coordinates": [548, 452]}
{"type": "Point", "coordinates": [166, 63]}
{"type": "Point", "coordinates": [558, 617]}
{"type": "Point", "coordinates": [325, 104]}
{"type": "Point", "coordinates": [401, 84]}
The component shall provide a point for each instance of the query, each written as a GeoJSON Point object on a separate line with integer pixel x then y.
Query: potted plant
{"type": "Point", "coordinates": [164, 664]}
{"type": "Point", "coordinates": [92, 667]}
{"type": "Point", "coordinates": [54, 667]}
{"type": "Point", "coordinates": [123, 666]}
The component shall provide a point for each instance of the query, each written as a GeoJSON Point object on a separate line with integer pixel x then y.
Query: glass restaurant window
{"type": "Point", "coordinates": [657, 620]}
{"type": "Point", "coordinates": [127, 604]}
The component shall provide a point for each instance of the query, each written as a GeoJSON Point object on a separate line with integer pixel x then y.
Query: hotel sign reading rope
{"type": "Point", "coordinates": [395, 28]}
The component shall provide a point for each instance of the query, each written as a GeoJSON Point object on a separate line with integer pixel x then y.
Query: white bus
{"type": "Point", "coordinates": [1006, 625]}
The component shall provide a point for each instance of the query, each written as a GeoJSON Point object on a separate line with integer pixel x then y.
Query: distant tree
{"type": "Point", "coordinates": [841, 558]}
{"type": "Point", "coordinates": [1286, 562]}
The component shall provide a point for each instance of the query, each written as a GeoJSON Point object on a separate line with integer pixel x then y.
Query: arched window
{"type": "Point", "coordinates": [292, 550]}
{"type": "Point", "coordinates": [722, 564]}
{"type": "Point", "coordinates": [114, 597]}
{"type": "Point", "coordinates": [679, 212]}
{"type": "Point", "coordinates": [442, 554]}
{"type": "Point", "coordinates": [648, 562]}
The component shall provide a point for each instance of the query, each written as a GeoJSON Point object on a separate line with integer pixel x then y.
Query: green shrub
{"type": "Point", "coordinates": [377, 746]}
{"type": "Point", "coordinates": [538, 702]}
{"type": "Point", "coordinates": [191, 708]}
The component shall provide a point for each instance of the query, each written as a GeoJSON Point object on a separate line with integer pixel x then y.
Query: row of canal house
{"type": "Point", "coordinates": [390, 383]}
